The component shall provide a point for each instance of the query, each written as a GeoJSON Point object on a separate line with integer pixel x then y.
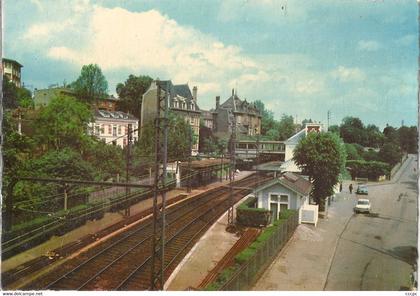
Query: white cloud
{"type": "Point", "coordinates": [345, 74]}
{"type": "Point", "coordinates": [368, 45]}
{"type": "Point", "coordinates": [147, 42]}
{"type": "Point", "coordinates": [406, 40]}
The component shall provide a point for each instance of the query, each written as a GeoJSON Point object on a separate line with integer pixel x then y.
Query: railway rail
{"type": "Point", "coordinates": [124, 261]}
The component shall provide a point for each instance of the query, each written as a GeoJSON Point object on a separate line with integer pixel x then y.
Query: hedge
{"type": "Point", "coordinates": [250, 251]}
{"type": "Point", "coordinates": [368, 169]}
{"type": "Point", "coordinates": [247, 215]}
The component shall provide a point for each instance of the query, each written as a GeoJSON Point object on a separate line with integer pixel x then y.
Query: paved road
{"type": "Point", "coordinates": [377, 251]}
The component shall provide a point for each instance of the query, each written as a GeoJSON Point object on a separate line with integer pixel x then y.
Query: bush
{"type": "Point", "coordinates": [368, 169]}
{"type": "Point", "coordinates": [248, 215]}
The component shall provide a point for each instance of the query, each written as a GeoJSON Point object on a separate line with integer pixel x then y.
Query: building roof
{"type": "Point", "coordinates": [115, 115]}
{"type": "Point", "coordinates": [12, 61]}
{"type": "Point", "coordinates": [183, 90]}
{"type": "Point", "coordinates": [179, 90]}
{"type": "Point", "coordinates": [111, 98]}
{"type": "Point", "coordinates": [237, 105]}
{"type": "Point", "coordinates": [296, 183]}
{"type": "Point", "coordinates": [295, 139]}
{"type": "Point", "coordinates": [291, 181]}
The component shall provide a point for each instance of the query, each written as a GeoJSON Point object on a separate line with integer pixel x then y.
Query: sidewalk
{"type": "Point", "coordinates": [304, 262]}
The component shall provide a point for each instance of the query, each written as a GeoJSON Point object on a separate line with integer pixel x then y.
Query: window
{"type": "Point", "coordinates": [119, 129]}
{"type": "Point", "coordinates": [274, 197]}
{"type": "Point", "coordinates": [277, 204]}
{"type": "Point", "coordinates": [102, 129]}
{"type": "Point", "coordinates": [114, 130]}
{"type": "Point", "coordinates": [284, 198]}
{"type": "Point", "coordinates": [109, 129]}
{"type": "Point", "coordinates": [97, 129]}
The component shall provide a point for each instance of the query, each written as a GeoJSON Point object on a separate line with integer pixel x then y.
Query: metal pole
{"type": "Point", "coordinates": [65, 197]}
{"type": "Point", "coordinates": [232, 171]}
{"type": "Point", "coordinates": [157, 278]}
{"type": "Point", "coordinates": [164, 176]}
{"type": "Point", "coordinates": [127, 175]}
{"type": "Point", "coordinates": [189, 159]}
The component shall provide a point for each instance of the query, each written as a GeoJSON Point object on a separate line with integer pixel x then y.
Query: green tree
{"type": "Point", "coordinates": [286, 127]}
{"type": "Point", "coordinates": [108, 160]}
{"type": "Point", "coordinates": [178, 139]}
{"type": "Point", "coordinates": [9, 94]}
{"type": "Point", "coordinates": [24, 97]}
{"type": "Point", "coordinates": [91, 85]}
{"type": "Point", "coordinates": [321, 156]}
{"type": "Point", "coordinates": [352, 130]}
{"type": "Point", "coordinates": [390, 153]}
{"type": "Point", "coordinates": [391, 134]}
{"type": "Point", "coordinates": [352, 153]}
{"type": "Point", "coordinates": [267, 119]}
{"type": "Point", "coordinates": [131, 92]}
{"type": "Point", "coordinates": [63, 123]}
{"type": "Point", "coordinates": [334, 129]}
{"type": "Point", "coordinates": [408, 139]}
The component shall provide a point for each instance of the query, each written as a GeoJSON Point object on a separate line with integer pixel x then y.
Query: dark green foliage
{"type": "Point", "coordinates": [368, 169]}
{"type": "Point", "coordinates": [408, 139]}
{"type": "Point", "coordinates": [178, 139]}
{"type": "Point", "coordinates": [63, 123]}
{"type": "Point", "coordinates": [272, 129]}
{"type": "Point", "coordinates": [9, 94]}
{"type": "Point", "coordinates": [247, 214]}
{"type": "Point", "coordinates": [108, 160]}
{"type": "Point", "coordinates": [131, 93]}
{"type": "Point", "coordinates": [91, 85]}
{"type": "Point", "coordinates": [321, 156]}
{"type": "Point", "coordinates": [390, 153]}
{"type": "Point", "coordinates": [352, 152]}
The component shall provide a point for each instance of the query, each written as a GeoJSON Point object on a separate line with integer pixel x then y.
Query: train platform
{"type": "Point", "coordinates": [203, 257]}
{"type": "Point", "coordinates": [92, 227]}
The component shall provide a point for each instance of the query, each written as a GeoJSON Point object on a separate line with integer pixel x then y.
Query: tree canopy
{"type": "Point", "coordinates": [131, 92]}
{"type": "Point", "coordinates": [91, 84]}
{"type": "Point", "coordinates": [321, 156]}
{"type": "Point", "coordinates": [63, 123]}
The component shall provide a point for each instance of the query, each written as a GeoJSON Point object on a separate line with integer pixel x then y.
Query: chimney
{"type": "Point", "coordinates": [194, 94]}
{"type": "Point", "coordinates": [233, 91]}
{"type": "Point", "coordinates": [217, 102]}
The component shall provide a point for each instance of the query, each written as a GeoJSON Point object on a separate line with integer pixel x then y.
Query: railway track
{"type": "Point", "coordinates": [124, 262]}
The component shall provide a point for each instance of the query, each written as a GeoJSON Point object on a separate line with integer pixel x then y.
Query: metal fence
{"type": "Point", "coordinates": [245, 276]}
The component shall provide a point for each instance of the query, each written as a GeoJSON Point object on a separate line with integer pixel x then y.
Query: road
{"type": "Point", "coordinates": [377, 251]}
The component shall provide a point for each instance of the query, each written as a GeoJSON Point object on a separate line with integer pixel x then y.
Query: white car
{"type": "Point", "coordinates": [362, 206]}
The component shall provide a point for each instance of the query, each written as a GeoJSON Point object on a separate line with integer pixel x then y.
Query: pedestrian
{"type": "Point", "coordinates": [351, 188]}
{"type": "Point", "coordinates": [341, 186]}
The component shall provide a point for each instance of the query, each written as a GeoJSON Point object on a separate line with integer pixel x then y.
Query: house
{"type": "Point", "coordinates": [182, 102]}
{"type": "Point", "coordinates": [12, 70]}
{"type": "Point", "coordinates": [290, 191]}
{"type": "Point", "coordinates": [246, 115]}
{"type": "Point", "coordinates": [290, 144]}
{"type": "Point", "coordinates": [208, 118]}
{"type": "Point", "coordinates": [110, 126]}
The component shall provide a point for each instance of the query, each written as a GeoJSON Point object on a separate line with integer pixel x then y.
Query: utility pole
{"type": "Point", "coordinates": [157, 277]}
{"type": "Point", "coordinates": [127, 169]}
{"type": "Point", "coordinates": [189, 158]}
{"type": "Point", "coordinates": [328, 119]}
{"type": "Point", "coordinates": [65, 197]}
{"type": "Point", "coordinates": [232, 171]}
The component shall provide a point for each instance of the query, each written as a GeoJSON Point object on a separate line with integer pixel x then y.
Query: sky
{"type": "Point", "coordinates": [302, 57]}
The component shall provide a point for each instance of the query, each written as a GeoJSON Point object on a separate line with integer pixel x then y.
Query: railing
{"type": "Point", "coordinates": [247, 274]}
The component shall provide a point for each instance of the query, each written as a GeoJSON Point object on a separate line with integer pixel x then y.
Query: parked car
{"type": "Point", "coordinates": [362, 190]}
{"type": "Point", "coordinates": [362, 206]}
